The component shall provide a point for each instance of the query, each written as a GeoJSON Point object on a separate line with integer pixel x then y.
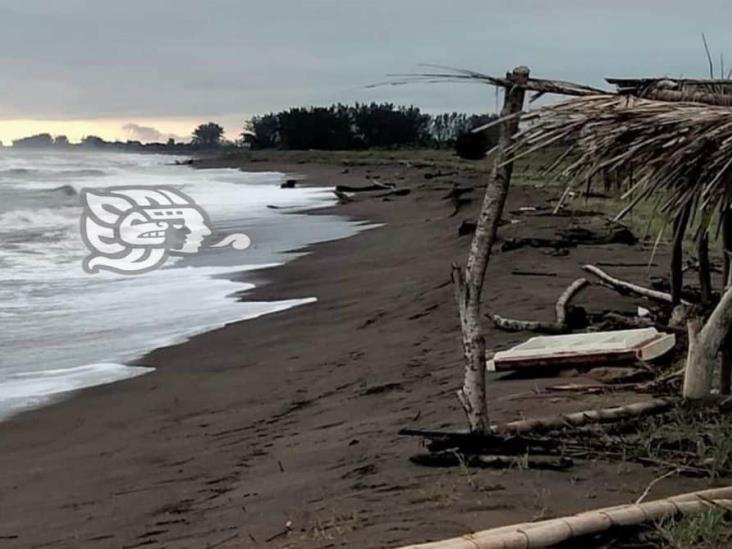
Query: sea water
{"type": "Point", "coordinates": [62, 329]}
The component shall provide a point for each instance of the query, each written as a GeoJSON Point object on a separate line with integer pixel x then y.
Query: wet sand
{"type": "Point", "coordinates": [282, 431]}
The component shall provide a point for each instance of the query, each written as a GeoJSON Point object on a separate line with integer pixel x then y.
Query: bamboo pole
{"type": "Point", "coordinates": [576, 419]}
{"type": "Point", "coordinates": [548, 533]}
{"type": "Point", "coordinates": [468, 281]}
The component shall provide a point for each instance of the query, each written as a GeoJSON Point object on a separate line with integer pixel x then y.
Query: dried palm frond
{"type": "Point", "coordinates": [710, 92]}
{"type": "Point", "coordinates": [451, 74]}
{"type": "Point", "coordinates": [680, 153]}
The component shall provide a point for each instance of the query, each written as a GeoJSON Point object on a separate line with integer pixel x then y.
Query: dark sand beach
{"type": "Point", "coordinates": [282, 431]}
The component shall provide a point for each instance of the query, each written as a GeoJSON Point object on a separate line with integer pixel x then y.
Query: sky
{"type": "Point", "coordinates": [153, 69]}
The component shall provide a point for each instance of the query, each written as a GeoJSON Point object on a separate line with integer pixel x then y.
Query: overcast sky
{"type": "Point", "coordinates": [150, 68]}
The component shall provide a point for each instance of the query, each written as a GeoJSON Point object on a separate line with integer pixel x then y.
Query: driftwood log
{"type": "Point", "coordinates": [374, 186]}
{"type": "Point", "coordinates": [548, 533]}
{"type": "Point", "coordinates": [560, 324]}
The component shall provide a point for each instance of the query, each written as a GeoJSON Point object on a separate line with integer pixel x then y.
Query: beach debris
{"type": "Point", "coordinates": [466, 227]}
{"type": "Point", "coordinates": [618, 374]}
{"type": "Point", "coordinates": [516, 272]}
{"type": "Point", "coordinates": [431, 175]}
{"type": "Point", "coordinates": [566, 318]}
{"type": "Point", "coordinates": [451, 458]}
{"type": "Point", "coordinates": [456, 197]}
{"type": "Point", "coordinates": [343, 198]}
{"type": "Point", "coordinates": [374, 186]}
{"type": "Point", "coordinates": [591, 349]}
{"type": "Point", "coordinates": [289, 184]}
{"type": "Point", "coordinates": [571, 238]}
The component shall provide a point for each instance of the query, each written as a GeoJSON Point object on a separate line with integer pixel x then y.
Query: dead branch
{"type": "Point", "coordinates": [624, 286]}
{"type": "Point", "coordinates": [559, 326]}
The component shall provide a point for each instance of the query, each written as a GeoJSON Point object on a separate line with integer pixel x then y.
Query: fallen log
{"type": "Point", "coordinates": [451, 458]}
{"type": "Point", "coordinates": [548, 533]}
{"type": "Point", "coordinates": [375, 186]}
{"type": "Point", "coordinates": [623, 286]}
{"type": "Point", "coordinates": [562, 323]}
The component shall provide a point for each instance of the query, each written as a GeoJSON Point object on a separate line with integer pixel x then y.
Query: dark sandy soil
{"type": "Point", "coordinates": [292, 419]}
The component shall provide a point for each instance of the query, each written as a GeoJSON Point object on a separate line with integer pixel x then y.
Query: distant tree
{"type": "Point", "coordinates": [263, 132]}
{"type": "Point", "coordinates": [171, 142]}
{"type": "Point", "coordinates": [473, 145]}
{"type": "Point", "coordinates": [384, 125]}
{"type": "Point", "coordinates": [34, 141]}
{"type": "Point", "coordinates": [446, 127]}
{"type": "Point", "coordinates": [93, 142]}
{"type": "Point", "coordinates": [327, 128]}
{"type": "Point", "coordinates": [208, 135]}
{"type": "Point", "coordinates": [61, 141]}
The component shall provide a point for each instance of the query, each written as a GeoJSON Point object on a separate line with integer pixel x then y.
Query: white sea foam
{"type": "Point", "coordinates": [54, 317]}
{"type": "Point", "coordinates": [23, 391]}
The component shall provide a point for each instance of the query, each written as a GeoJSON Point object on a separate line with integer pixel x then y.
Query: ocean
{"type": "Point", "coordinates": [63, 329]}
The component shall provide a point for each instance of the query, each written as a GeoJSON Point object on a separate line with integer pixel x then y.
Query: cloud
{"type": "Point", "coordinates": [146, 134]}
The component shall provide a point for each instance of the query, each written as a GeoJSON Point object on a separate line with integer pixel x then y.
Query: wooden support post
{"type": "Point", "coordinates": [705, 271]}
{"type": "Point", "coordinates": [468, 281]}
{"type": "Point", "coordinates": [677, 254]}
{"type": "Point", "coordinates": [725, 371]}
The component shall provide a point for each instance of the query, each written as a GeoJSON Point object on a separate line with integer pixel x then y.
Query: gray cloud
{"type": "Point", "coordinates": [227, 59]}
{"type": "Point", "coordinates": [146, 134]}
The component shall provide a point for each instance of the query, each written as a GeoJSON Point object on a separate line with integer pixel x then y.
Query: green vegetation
{"type": "Point", "coordinates": [366, 126]}
{"type": "Point", "coordinates": [711, 529]}
{"type": "Point", "coordinates": [698, 440]}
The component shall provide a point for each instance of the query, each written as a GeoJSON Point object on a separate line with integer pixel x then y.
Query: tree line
{"type": "Point", "coordinates": [364, 126]}
{"type": "Point", "coordinates": [205, 137]}
{"type": "Point", "coordinates": [337, 127]}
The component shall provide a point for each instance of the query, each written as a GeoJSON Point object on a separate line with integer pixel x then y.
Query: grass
{"type": "Point", "coordinates": [711, 529]}
{"type": "Point", "coordinates": [688, 437]}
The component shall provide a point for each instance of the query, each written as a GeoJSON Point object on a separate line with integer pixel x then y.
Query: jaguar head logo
{"type": "Point", "coordinates": [133, 230]}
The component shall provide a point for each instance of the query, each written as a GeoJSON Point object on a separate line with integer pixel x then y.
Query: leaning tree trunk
{"type": "Point", "coordinates": [705, 343]}
{"type": "Point", "coordinates": [469, 280]}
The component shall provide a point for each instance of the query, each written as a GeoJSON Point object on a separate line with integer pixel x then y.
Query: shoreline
{"type": "Point", "coordinates": [293, 417]}
{"type": "Point", "coordinates": [220, 286]}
